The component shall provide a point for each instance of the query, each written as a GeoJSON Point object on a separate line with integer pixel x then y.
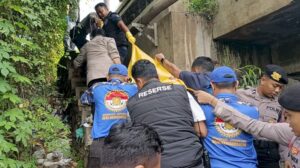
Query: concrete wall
{"type": "Point", "coordinates": [234, 14]}
{"type": "Point", "coordinates": [181, 36]}
{"type": "Point", "coordinates": [287, 54]}
{"type": "Point", "coordinates": [165, 42]}
{"type": "Point", "coordinates": [237, 54]}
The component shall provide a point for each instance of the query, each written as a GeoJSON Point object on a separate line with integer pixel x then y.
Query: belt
{"type": "Point", "coordinates": [265, 144]}
{"type": "Point", "coordinates": [98, 139]}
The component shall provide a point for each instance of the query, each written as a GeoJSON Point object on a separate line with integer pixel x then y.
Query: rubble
{"type": "Point", "coordinates": [54, 159]}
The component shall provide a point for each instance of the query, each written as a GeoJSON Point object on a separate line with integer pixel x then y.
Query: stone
{"type": "Point", "coordinates": [57, 156]}
{"type": "Point", "coordinates": [39, 154]}
{"type": "Point", "coordinates": [40, 162]}
{"type": "Point", "coordinates": [49, 156]}
{"type": "Point", "coordinates": [64, 162]}
{"type": "Point", "coordinates": [50, 164]}
{"type": "Point", "coordinates": [72, 164]}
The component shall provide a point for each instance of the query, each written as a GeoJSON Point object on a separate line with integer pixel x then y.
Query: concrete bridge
{"type": "Point", "coordinates": [254, 31]}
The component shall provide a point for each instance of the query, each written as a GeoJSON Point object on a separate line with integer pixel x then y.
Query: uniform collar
{"type": "Point", "coordinates": [115, 80]}
{"type": "Point", "coordinates": [108, 15]}
{"type": "Point", "coordinates": [227, 96]}
{"type": "Point", "coordinates": [150, 82]}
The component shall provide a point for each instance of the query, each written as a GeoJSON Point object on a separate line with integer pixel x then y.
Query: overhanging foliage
{"type": "Point", "coordinates": [31, 35]}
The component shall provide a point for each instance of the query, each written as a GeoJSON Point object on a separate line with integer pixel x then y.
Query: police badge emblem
{"type": "Point", "coordinates": [116, 100]}
{"type": "Point", "coordinates": [226, 129]}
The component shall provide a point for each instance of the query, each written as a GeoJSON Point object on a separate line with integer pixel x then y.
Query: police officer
{"type": "Point", "coordinates": [265, 97]}
{"type": "Point", "coordinates": [110, 100]}
{"type": "Point", "coordinates": [228, 146]}
{"type": "Point", "coordinates": [170, 111]}
{"type": "Point", "coordinates": [115, 27]}
{"type": "Point", "coordinates": [283, 133]}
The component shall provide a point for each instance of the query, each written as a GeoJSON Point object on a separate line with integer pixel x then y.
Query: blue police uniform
{"type": "Point", "coordinates": [228, 147]}
{"type": "Point", "coordinates": [110, 100]}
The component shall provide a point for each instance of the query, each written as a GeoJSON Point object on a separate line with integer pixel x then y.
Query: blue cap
{"type": "Point", "coordinates": [118, 69]}
{"type": "Point", "coordinates": [223, 74]}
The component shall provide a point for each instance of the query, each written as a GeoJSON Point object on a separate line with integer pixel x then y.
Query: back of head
{"type": "Point", "coordinates": [144, 69]}
{"type": "Point", "coordinates": [97, 32]}
{"type": "Point", "coordinates": [205, 63]}
{"type": "Point", "coordinates": [129, 145]}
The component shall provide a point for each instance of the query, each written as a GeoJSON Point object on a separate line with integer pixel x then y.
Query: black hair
{"type": "Point", "coordinates": [225, 85]}
{"type": "Point", "coordinates": [129, 145]}
{"type": "Point", "coordinates": [144, 69]}
{"type": "Point", "coordinates": [205, 62]}
{"type": "Point", "coordinates": [101, 4]}
{"type": "Point", "coordinates": [97, 32]}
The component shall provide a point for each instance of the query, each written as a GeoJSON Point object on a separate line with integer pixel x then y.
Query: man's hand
{"type": "Point", "coordinates": [130, 37]}
{"type": "Point", "coordinates": [159, 57]}
{"type": "Point", "coordinates": [205, 98]}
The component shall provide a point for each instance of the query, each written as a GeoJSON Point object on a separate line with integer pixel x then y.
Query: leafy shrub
{"type": "Point", "coordinates": [31, 36]}
{"type": "Point", "coordinates": [249, 75]}
{"type": "Point", "coordinates": [206, 8]}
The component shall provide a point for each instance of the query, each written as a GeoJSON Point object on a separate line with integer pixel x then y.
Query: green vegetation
{"type": "Point", "coordinates": [31, 36]}
{"type": "Point", "coordinates": [248, 75]}
{"type": "Point", "coordinates": [206, 8]}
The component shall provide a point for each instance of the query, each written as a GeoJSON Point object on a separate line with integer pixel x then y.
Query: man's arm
{"type": "Point", "coordinates": [198, 116]}
{"type": "Point", "coordinates": [122, 26]}
{"type": "Point", "coordinates": [125, 29]}
{"type": "Point", "coordinates": [200, 128]}
{"type": "Point", "coordinates": [113, 51]}
{"type": "Point", "coordinates": [278, 132]}
{"type": "Point", "coordinates": [81, 58]}
{"type": "Point", "coordinates": [172, 68]}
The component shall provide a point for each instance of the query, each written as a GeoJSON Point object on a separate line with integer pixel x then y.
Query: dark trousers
{"type": "Point", "coordinates": [123, 51]}
{"type": "Point", "coordinates": [267, 154]}
{"type": "Point", "coordinates": [95, 154]}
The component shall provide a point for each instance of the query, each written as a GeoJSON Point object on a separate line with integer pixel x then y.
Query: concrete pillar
{"type": "Point", "coordinates": [181, 36]}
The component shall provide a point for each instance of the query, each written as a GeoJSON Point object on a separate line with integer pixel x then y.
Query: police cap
{"type": "Point", "coordinates": [290, 98]}
{"type": "Point", "coordinates": [276, 73]}
{"type": "Point", "coordinates": [118, 69]}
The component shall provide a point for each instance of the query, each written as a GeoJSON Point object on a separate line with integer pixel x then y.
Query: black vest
{"type": "Point", "coordinates": [112, 29]}
{"type": "Point", "coordinates": [166, 108]}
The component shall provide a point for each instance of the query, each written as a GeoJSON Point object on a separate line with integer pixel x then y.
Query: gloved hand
{"type": "Point", "coordinates": [99, 23]}
{"type": "Point", "coordinates": [130, 37]}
